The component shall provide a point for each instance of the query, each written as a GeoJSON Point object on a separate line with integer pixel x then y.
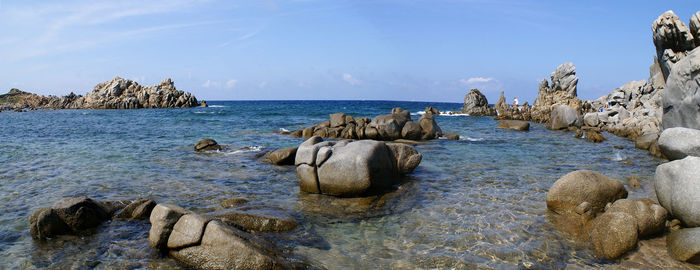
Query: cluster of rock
{"type": "Point", "coordinates": [388, 127]}
{"type": "Point", "coordinates": [596, 205]}
{"type": "Point", "coordinates": [476, 104]}
{"type": "Point", "coordinates": [115, 94]}
{"type": "Point", "coordinates": [560, 90]}
{"type": "Point", "coordinates": [347, 169]}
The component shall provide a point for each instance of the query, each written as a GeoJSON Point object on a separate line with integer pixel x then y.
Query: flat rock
{"type": "Point", "coordinates": [514, 125]}
{"type": "Point", "coordinates": [258, 219]}
{"type": "Point", "coordinates": [206, 145]}
{"type": "Point", "coordinates": [284, 156]}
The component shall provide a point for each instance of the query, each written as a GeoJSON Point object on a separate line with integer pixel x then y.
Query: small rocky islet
{"type": "Point", "coordinates": [365, 158]}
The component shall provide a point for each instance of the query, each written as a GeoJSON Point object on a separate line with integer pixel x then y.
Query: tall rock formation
{"type": "Point", "coordinates": [476, 104]}
{"type": "Point", "coordinates": [682, 95]}
{"type": "Point", "coordinates": [672, 39]}
{"type": "Point", "coordinates": [561, 91]}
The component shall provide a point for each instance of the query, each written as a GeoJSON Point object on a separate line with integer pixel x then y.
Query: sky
{"type": "Point", "coordinates": [411, 50]}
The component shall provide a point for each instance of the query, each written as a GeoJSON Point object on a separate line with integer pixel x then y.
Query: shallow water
{"type": "Point", "coordinates": [474, 203]}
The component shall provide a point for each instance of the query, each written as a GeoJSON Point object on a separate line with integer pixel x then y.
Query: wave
{"type": "Point", "coordinates": [246, 149]}
{"type": "Point", "coordinates": [465, 138]}
{"type": "Point", "coordinates": [217, 106]}
{"type": "Point", "coordinates": [618, 156]}
{"type": "Point", "coordinates": [284, 130]}
{"type": "Point", "coordinates": [445, 113]}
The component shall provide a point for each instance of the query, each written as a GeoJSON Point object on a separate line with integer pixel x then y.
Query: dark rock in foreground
{"type": "Point", "coordinates": [68, 216]}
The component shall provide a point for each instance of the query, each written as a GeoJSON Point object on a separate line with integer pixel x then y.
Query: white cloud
{"type": "Point", "coordinates": [350, 79]}
{"type": "Point", "coordinates": [206, 84]}
{"type": "Point", "coordinates": [231, 83]}
{"type": "Point", "coordinates": [475, 80]}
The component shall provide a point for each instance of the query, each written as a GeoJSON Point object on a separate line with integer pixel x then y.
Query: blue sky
{"type": "Point", "coordinates": [304, 49]}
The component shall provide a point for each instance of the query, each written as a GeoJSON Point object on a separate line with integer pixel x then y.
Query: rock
{"type": "Point", "coordinates": [233, 202]}
{"type": "Point", "coordinates": [337, 119]}
{"type": "Point", "coordinates": [578, 133]}
{"type": "Point", "coordinates": [650, 217]}
{"type": "Point", "coordinates": [594, 136]}
{"type": "Point", "coordinates": [187, 231]}
{"type": "Point", "coordinates": [430, 128]}
{"type": "Point", "coordinates": [203, 104]}
{"type": "Point", "coordinates": [224, 247]}
{"type": "Point", "coordinates": [684, 245]}
{"type": "Point", "coordinates": [695, 27]}
{"type": "Point", "coordinates": [677, 143]}
{"type": "Point", "coordinates": [682, 94]}
{"type": "Point", "coordinates": [677, 185]}
{"type": "Point", "coordinates": [406, 157]}
{"type": "Point", "coordinates": [411, 131]}
{"type": "Point", "coordinates": [671, 37]}
{"type": "Point", "coordinates": [67, 216]}
{"type": "Point", "coordinates": [390, 126]}
{"type": "Point", "coordinates": [591, 119]}
{"type": "Point", "coordinates": [207, 145]}
{"type": "Point", "coordinates": [139, 209]}
{"type": "Point", "coordinates": [284, 156]}
{"type": "Point", "coordinates": [563, 91]}
{"type": "Point", "coordinates": [644, 142]}
{"type": "Point", "coordinates": [563, 117]}
{"type": "Point", "coordinates": [163, 218]}
{"type": "Point", "coordinates": [581, 186]}
{"type": "Point", "coordinates": [476, 104]}
{"type": "Point", "coordinates": [432, 110]}
{"type": "Point", "coordinates": [613, 234]}
{"type": "Point", "coordinates": [258, 219]}
{"type": "Point", "coordinates": [452, 136]}
{"type": "Point", "coordinates": [514, 124]}
{"type": "Point", "coordinates": [633, 182]}
{"type": "Point", "coordinates": [45, 223]}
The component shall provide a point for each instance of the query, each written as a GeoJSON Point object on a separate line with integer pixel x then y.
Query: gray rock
{"type": "Point", "coordinates": [406, 157]}
{"type": "Point", "coordinates": [357, 168]}
{"type": "Point", "coordinates": [207, 145]}
{"type": "Point", "coordinates": [671, 36]}
{"type": "Point", "coordinates": [306, 152]}
{"type": "Point", "coordinates": [308, 178]}
{"type": "Point", "coordinates": [564, 78]}
{"type": "Point", "coordinates": [591, 119]}
{"type": "Point", "coordinates": [139, 209]}
{"type": "Point", "coordinates": [682, 94]}
{"type": "Point", "coordinates": [163, 218]}
{"type": "Point", "coordinates": [677, 143]}
{"type": "Point", "coordinates": [650, 217]}
{"type": "Point", "coordinates": [581, 186]}
{"type": "Point", "coordinates": [645, 141]}
{"type": "Point", "coordinates": [563, 116]}
{"type": "Point", "coordinates": [677, 185]}
{"type": "Point", "coordinates": [613, 234]}
{"type": "Point", "coordinates": [684, 245]}
{"type": "Point", "coordinates": [284, 156]}
{"type": "Point", "coordinates": [514, 124]}
{"type": "Point", "coordinates": [695, 27]}
{"type": "Point", "coordinates": [337, 120]}
{"type": "Point", "coordinates": [258, 219]}
{"type": "Point", "coordinates": [411, 131]}
{"type": "Point", "coordinates": [187, 231]}
{"type": "Point", "coordinates": [476, 104]}
{"type": "Point", "coordinates": [430, 129]}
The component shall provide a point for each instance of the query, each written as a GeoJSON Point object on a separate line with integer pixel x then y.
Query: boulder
{"type": "Point", "coordinates": [580, 186]}
{"type": "Point", "coordinates": [45, 223]}
{"type": "Point", "coordinates": [650, 218]}
{"type": "Point", "coordinates": [682, 94]}
{"type": "Point", "coordinates": [514, 124]}
{"type": "Point", "coordinates": [563, 116]}
{"type": "Point", "coordinates": [139, 209]}
{"type": "Point", "coordinates": [684, 245]}
{"type": "Point", "coordinates": [67, 216]}
{"type": "Point", "coordinates": [163, 218]}
{"type": "Point", "coordinates": [613, 234]}
{"type": "Point", "coordinates": [644, 142]}
{"type": "Point", "coordinates": [405, 157]}
{"type": "Point", "coordinates": [594, 136]}
{"type": "Point", "coordinates": [411, 131]}
{"type": "Point", "coordinates": [207, 145]}
{"type": "Point", "coordinates": [284, 156]}
{"type": "Point", "coordinates": [677, 143]}
{"type": "Point", "coordinates": [476, 104]}
{"type": "Point", "coordinates": [390, 126]}
{"type": "Point", "coordinates": [591, 119]}
{"type": "Point", "coordinates": [451, 136]}
{"type": "Point", "coordinates": [337, 120]}
{"type": "Point", "coordinates": [430, 129]}
{"type": "Point", "coordinates": [677, 185]}
{"type": "Point", "coordinates": [187, 231]}
{"type": "Point", "coordinates": [258, 219]}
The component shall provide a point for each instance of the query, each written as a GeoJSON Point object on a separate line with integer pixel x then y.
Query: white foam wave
{"type": "Point", "coordinates": [200, 112]}
{"type": "Point", "coordinates": [465, 138]}
{"type": "Point", "coordinates": [618, 156]}
{"type": "Point", "coordinates": [217, 106]}
{"type": "Point", "coordinates": [246, 149]}
{"type": "Point", "coordinates": [284, 130]}
{"type": "Point", "coordinates": [445, 113]}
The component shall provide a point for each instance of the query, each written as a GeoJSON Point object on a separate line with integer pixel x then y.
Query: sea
{"type": "Point", "coordinates": [477, 202]}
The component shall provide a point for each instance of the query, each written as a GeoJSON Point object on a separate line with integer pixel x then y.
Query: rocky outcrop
{"type": "Point", "coordinates": [514, 124]}
{"type": "Point", "coordinates": [684, 245]}
{"type": "Point", "coordinates": [476, 104]}
{"type": "Point", "coordinates": [115, 94]}
{"type": "Point", "coordinates": [201, 242]}
{"type": "Point", "coordinates": [67, 216]}
{"type": "Point", "coordinates": [387, 127]}
{"type": "Point", "coordinates": [672, 39]}
{"type": "Point", "coordinates": [677, 185]}
{"type": "Point", "coordinates": [677, 143]}
{"type": "Point", "coordinates": [583, 189]}
{"type": "Point", "coordinates": [257, 219]}
{"type": "Point", "coordinates": [682, 94]}
{"type": "Point", "coordinates": [349, 169]}
{"type": "Point", "coordinates": [207, 144]}
{"type": "Point", "coordinates": [563, 117]}
{"type": "Point", "coordinates": [560, 90]}
{"type": "Point", "coordinates": [506, 111]}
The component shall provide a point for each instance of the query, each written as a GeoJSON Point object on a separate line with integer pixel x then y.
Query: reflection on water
{"type": "Point", "coordinates": [475, 202]}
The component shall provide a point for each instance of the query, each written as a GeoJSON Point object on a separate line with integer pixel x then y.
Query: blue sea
{"type": "Point", "coordinates": [477, 202]}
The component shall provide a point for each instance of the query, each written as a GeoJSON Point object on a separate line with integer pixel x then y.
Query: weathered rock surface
{"type": "Point", "coordinates": [613, 234]}
{"type": "Point", "coordinates": [563, 91]}
{"type": "Point", "coordinates": [258, 219]}
{"type": "Point", "coordinates": [684, 245]}
{"type": "Point", "coordinates": [115, 94]}
{"type": "Point", "coordinates": [594, 136]}
{"type": "Point", "coordinates": [563, 116]}
{"type": "Point", "coordinates": [581, 186]}
{"type": "Point", "coordinates": [476, 104]}
{"type": "Point", "coordinates": [672, 39]}
{"type": "Point", "coordinates": [682, 94]}
{"type": "Point", "coordinates": [163, 218]}
{"type": "Point", "coordinates": [207, 145]}
{"type": "Point", "coordinates": [430, 128]}
{"type": "Point", "coordinates": [678, 142]}
{"type": "Point", "coordinates": [352, 168]}
{"type": "Point", "coordinates": [284, 156]}
{"type": "Point", "coordinates": [650, 218]}
{"type": "Point", "coordinates": [139, 209]}
{"type": "Point", "coordinates": [514, 124]}
{"type": "Point", "coordinates": [67, 216]}
{"type": "Point", "coordinates": [677, 185]}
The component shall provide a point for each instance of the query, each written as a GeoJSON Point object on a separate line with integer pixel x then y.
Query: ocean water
{"type": "Point", "coordinates": [478, 202]}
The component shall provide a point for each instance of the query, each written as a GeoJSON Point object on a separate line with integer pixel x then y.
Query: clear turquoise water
{"type": "Point", "coordinates": [476, 202]}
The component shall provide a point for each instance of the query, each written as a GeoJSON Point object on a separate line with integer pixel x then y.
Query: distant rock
{"type": "Point", "coordinates": [563, 116]}
{"type": "Point", "coordinates": [677, 185]}
{"type": "Point", "coordinates": [476, 104]}
{"type": "Point", "coordinates": [562, 91]}
{"type": "Point", "coordinates": [514, 124]}
{"type": "Point", "coordinates": [451, 136]}
{"type": "Point", "coordinates": [203, 104]}
{"type": "Point", "coordinates": [677, 143]}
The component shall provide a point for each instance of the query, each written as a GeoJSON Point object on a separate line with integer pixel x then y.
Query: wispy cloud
{"type": "Point", "coordinates": [475, 80]}
{"type": "Point", "coordinates": [350, 79]}
{"type": "Point", "coordinates": [207, 84]}
{"type": "Point", "coordinates": [231, 83]}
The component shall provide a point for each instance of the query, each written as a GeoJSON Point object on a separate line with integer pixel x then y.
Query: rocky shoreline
{"type": "Point", "coordinates": [115, 94]}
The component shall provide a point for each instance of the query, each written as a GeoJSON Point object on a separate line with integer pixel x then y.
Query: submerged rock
{"type": "Point", "coordinates": [677, 185]}
{"type": "Point", "coordinates": [258, 219]}
{"type": "Point", "coordinates": [207, 145]}
{"type": "Point", "coordinates": [677, 143]}
{"type": "Point", "coordinates": [514, 124]}
{"type": "Point", "coordinates": [67, 216]}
